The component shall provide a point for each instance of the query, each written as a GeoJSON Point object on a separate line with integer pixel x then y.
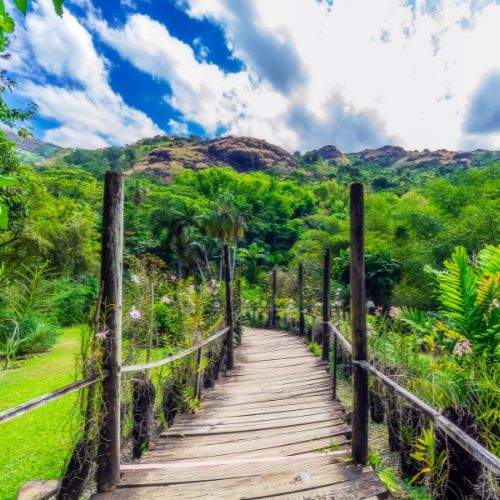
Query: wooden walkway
{"type": "Point", "coordinates": [267, 430]}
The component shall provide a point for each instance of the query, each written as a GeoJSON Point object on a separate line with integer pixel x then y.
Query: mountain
{"type": "Point", "coordinates": [387, 156]}
{"type": "Point", "coordinates": [244, 154]}
{"type": "Point", "coordinates": [32, 150]}
{"type": "Point", "coordinates": [387, 167]}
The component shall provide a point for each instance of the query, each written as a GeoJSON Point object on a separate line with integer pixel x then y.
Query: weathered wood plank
{"type": "Point", "coordinates": [263, 432]}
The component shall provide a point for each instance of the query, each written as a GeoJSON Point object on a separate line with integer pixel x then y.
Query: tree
{"type": "Point", "coordinates": [253, 257]}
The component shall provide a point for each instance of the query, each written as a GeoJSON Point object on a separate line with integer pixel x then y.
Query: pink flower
{"type": "Point", "coordinates": [378, 311]}
{"type": "Point", "coordinates": [166, 300]}
{"type": "Point", "coordinates": [102, 334]}
{"type": "Point", "coordinates": [462, 347]}
{"type": "Point", "coordinates": [338, 303]}
{"type": "Point", "coordinates": [190, 288]}
{"type": "Point", "coordinates": [134, 313]}
{"type": "Point", "coordinates": [495, 303]}
{"type": "Point", "coordinates": [394, 312]}
{"type": "Point", "coordinates": [173, 277]}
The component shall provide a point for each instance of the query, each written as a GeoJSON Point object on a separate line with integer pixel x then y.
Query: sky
{"type": "Point", "coordinates": [298, 73]}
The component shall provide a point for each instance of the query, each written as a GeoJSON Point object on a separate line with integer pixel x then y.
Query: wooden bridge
{"type": "Point", "coordinates": [269, 429]}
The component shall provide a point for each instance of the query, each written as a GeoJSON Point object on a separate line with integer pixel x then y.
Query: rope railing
{"type": "Point", "coordinates": [481, 454]}
{"type": "Point", "coordinates": [174, 357]}
{"type": "Point", "coordinates": [33, 404]}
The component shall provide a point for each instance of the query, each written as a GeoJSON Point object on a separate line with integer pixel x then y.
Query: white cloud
{"type": "Point", "coordinates": [89, 113]}
{"type": "Point", "coordinates": [353, 73]}
{"type": "Point", "coordinates": [417, 68]}
{"type": "Point", "coordinates": [177, 128]}
{"type": "Point", "coordinates": [241, 103]}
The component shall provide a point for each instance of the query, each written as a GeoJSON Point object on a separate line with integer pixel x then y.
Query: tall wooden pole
{"type": "Point", "coordinates": [229, 310]}
{"type": "Point", "coordinates": [108, 464]}
{"type": "Point", "coordinates": [274, 311]}
{"type": "Point", "coordinates": [358, 328]}
{"type": "Point", "coordinates": [302, 323]}
{"type": "Point", "coordinates": [326, 306]}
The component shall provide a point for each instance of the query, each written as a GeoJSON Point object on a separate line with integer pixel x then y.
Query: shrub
{"type": "Point", "coordinates": [73, 301]}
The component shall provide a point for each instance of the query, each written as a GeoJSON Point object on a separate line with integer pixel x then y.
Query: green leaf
{"type": "Point", "coordinates": [4, 216]}
{"type": "Point", "coordinates": [7, 181]}
{"type": "Point", "coordinates": [58, 6]}
{"type": "Point", "coordinates": [6, 23]}
{"type": "Point", "coordinates": [22, 5]}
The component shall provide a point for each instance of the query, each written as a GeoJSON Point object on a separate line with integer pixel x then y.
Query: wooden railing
{"type": "Point", "coordinates": [330, 337]}
{"type": "Point", "coordinates": [109, 319]}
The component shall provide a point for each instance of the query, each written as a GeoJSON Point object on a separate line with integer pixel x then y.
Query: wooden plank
{"type": "Point", "coordinates": [337, 480]}
{"type": "Point", "coordinates": [261, 433]}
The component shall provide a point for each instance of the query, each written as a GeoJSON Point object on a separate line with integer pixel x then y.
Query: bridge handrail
{"type": "Point", "coordinates": [33, 404]}
{"type": "Point", "coordinates": [174, 357]}
{"type": "Point", "coordinates": [479, 452]}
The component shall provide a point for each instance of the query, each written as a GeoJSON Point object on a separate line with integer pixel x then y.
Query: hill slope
{"type": "Point", "coordinates": [387, 167]}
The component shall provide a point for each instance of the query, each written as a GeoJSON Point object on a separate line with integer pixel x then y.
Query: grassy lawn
{"type": "Point", "coordinates": [36, 445]}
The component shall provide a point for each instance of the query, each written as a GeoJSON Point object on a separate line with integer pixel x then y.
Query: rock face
{"type": "Point", "coordinates": [329, 153]}
{"type": "Point", "coordinates": [244, 154]}
{"type": "Point", "coordinates": [394, 155]}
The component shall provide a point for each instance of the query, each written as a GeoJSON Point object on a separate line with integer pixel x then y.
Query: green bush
{"type": "Point", "coordinates": [72, 301]}
{"type": "Point", "coordinates": [33, 334]}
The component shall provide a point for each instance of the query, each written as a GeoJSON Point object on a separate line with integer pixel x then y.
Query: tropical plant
{"type": "Point", "coordinates": [252, 258]}
{"type": "Point", "coordinates": [4, 211]}
{"type": "Point", "coordinates": [433, 463]}
{"type": "Point", "coordinates": [468, 294]}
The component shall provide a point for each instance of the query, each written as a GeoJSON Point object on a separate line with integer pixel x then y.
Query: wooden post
{"type": "Point", "coordinates": [108, 469]}
{"type": "Point", "coordinates": [274, 311]}
{"type": "Point", "coordinates": [326, 306]}
{"type": "Point", "coordinates": [199, 374]}
{"type": "Point", "coordinates": [358, 328]}
{"type": "Point", "coordinates": [302, 322]}
{"type": "Point", "coordinates": [334, 368]}
{"type": "Point", "coordinates": [229, 310]}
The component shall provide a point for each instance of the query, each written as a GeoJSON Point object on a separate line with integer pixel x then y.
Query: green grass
{"type": "Point", "coordinates": [36, 445]}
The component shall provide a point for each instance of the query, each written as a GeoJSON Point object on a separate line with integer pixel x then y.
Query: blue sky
{"type": "Point", "coordinates": [298, 73]}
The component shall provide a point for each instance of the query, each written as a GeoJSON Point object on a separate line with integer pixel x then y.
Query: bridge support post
{"type": "Point", "coordinates": [110, 319]}
{"type": "Point", "coordinates": [229, 310]}
{"type": "Point", "coordinates": [302, 324]}
{"type": "Point", "coordinates": [274, 311]}
{"type": "Point", "coordinates": [325, 340]}
{"type": "Point", "coordinates": [358, 327]}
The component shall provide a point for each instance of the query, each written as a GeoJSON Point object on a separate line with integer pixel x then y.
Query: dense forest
{"type": "Point", "coordinates": [419, 222]}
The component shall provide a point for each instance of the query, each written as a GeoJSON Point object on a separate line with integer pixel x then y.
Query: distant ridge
{"type": "Point", "coordinates": [167, 156]}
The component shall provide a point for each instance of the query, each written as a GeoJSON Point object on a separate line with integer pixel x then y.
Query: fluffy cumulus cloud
{"type": "Point", "coordinates": [70, 84]}
{"type": "Point", "coordinates": [392, 70]}
{"type": "Point", "coordinates": [354, 73]}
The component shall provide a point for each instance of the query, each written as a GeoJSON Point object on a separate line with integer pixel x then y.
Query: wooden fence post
{"type": "Point", "coordinates": [358, 327]}
{"type": "Point", "coordinates": [326, 306]}
{"type": "Point", "coordinates": [108, 469]}
{"type": "Point", "coordinates": [229, 310]}
{"type": "Point", "coordinates": [302, 323]}
{"type": "Point", "coordinates": [274, 312]}
{"type": "Point", "coordinates": [199, 374]}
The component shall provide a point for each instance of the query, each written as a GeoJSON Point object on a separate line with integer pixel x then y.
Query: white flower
{"type": "Point", "coordinates": [135, 279]}
{"type": "Point", "coordinates": [134, 313]}
{"type": "Point", "coordinates": [166, 300]}
{"type": "Point", "coordinates": [102, 334]}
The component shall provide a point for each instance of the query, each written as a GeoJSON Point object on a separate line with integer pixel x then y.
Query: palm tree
{"type": "Point", "coordinates": [252, 256]}
{"type": "Point", "coordinates": [227, 220]}
{"type": "Point", "coordinates": [178, 218]}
